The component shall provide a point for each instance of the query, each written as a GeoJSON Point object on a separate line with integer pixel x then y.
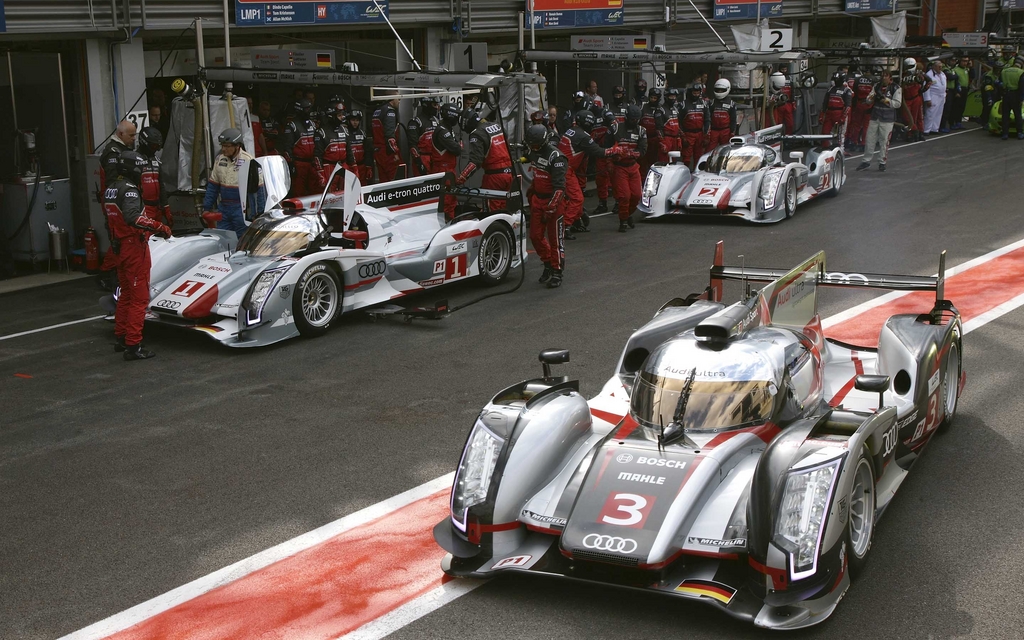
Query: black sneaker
{"type": "Point", "coordinates": [556, 279]}
{"type": "Point", "coordinates": [568, 234]}
{"type": "Point", "coordinates": [862, 166]}
{"type": "Point", "coordinates": [623, 226]}
{"type": "Point", "coordinates": [629, 221]}
{"type": "Point", "coordinates": [881, 167]}
{"type": "Point", "coordinates": [602, 207]}
{"type": "Point", "coordinates": [585, 219]}
{"type": "Point", "coordinates": [546, 275]}
{"type": "Point", "coordinates": [137, 352]}
{"type": "Point", "coordinates": [119, 344]}
{"type": "Point", "coordinates": [579, 227]}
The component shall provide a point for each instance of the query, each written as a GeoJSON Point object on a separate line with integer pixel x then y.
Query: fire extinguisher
{"type": "Point", "coordinates": [92, 250]}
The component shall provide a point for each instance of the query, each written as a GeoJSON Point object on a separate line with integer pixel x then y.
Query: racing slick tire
{"type": "Point", "coordinates": [860, 528]}
{"type": "Point", "coordinates": [316, 301]}
{"type": "Point", "coordinates": [790, 196]}
{"type": "Point", "coordinates": [838, 174]}
{"type": "Point", "coordinates": [495, 258]}
{"type": "Point", "coordinates": [952, 367]}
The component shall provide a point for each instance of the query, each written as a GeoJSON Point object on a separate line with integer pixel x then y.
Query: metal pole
{"type": "Point", "coordinates": [533, 36]}
{"type": "Point", "coordinates": [397, 37]}
{"type": "Point", "coordinates": [201, 61]}
{"type": "Point", "coordinates": [522, 33]}
{"type": "Point", "coordinates": [227, 36]}
{"type": "Point", "coordinates": [709, 24]}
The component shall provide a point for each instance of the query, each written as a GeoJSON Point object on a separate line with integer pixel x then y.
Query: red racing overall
{"type": "Point", "coordinates": [652, 119]}
{"type": "Point", "coordinates": [835, 108]}
{"type": "Point", "coordinates": [153, 200]}
{"type": "Point", "coordinates": [547, 227]}
{"type": "Point", "coordinates": [632, 143]}
{"type": "Point", "coordinates": [783, 113]}
{"type": "Point", "coordinates": [603, 174]}
{"type": "Point", "coordinates": [129, 230]}
{"type": "Point", "coordinates": [385, 141]}
{"type": "Point", "coordinates": [860, 114]}
{"type": "Point", "coordinates": [108, 173]}
{"type": "Point", "coordinates": [695, 121]}
{"type": "Point", "coordinates": [723, 123]}
{"type": "Point", "coordinates": [355, 155]}
{"type": "Point", "coordinates": [487, 149]}
{"type": "Point", "coordinates": [299, 148]}
{"type": "Point", "coordinates": [444, 158]}
{"type": "Point", "coordinates": [332, 149]}
{"type": "Point", "coordinates": [913, 102]}
{"type": "Point", "coordinates": [421, 132]}
{"type": "Point", "coordinates": [672, 137]}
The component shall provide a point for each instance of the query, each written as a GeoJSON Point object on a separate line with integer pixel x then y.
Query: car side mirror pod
{"type": "Point", "coordinates": [674, 156]}
{"type": "Point", "coordinates": [796, 156]}
{"type": "Point", "coordinates": [702, 166]}
{"type": "Point", "coordinates": [549, 357]}
{"type": "Point", "coordinates": [872, 384]}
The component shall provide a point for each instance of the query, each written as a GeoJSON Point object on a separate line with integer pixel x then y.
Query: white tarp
{"type": "Point", "coordinates": [890, 32]}
{"type": "Point", "coordinates": [176, 172]}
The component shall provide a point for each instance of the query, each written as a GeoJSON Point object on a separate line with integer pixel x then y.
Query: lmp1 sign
{"type": "Point", "coordinates": [258, 13]}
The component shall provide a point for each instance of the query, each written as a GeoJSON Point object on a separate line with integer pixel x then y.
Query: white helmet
{"type": "Point", "coordinates": [910, 63]}
{"type": "Point", "coordinates": [778, 80]}
{"type": "Point", "coordinates": [722, 88]}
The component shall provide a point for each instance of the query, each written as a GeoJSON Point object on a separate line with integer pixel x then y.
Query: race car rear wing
{"type": "Point", "coordinates": [721, 272]}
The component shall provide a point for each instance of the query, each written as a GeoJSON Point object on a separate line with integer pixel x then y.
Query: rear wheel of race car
{"type": "Point", "coordinates": [860, 529]}
{"type": "Point", "coordinates": [316, 301]}
{"type": "Point", "coordinates": [838, 174]}
{"type": "Point", "coordinates": [951, 382]}
{"type": "Point", "coordinates": [495, 257]}
{"type": "Point", "coordinates": [790, 196]}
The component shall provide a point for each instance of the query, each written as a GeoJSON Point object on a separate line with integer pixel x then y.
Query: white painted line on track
{"type": "Point", "coordinates": [992, 314]}
{"type": "Point", "coordinates": [55, 326]}
{"type": "Point", "coordinates": [414, 609]}
{"type": "Point", "coordinates": [242, 568]}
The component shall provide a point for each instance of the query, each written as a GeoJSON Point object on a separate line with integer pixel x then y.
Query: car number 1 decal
{"type": "Point", "coordinates": [455, 267]}
{"type": "Point", "coordinates": [626, 510]}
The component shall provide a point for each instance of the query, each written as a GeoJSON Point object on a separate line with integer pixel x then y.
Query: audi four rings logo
{"type": "Point", "coordinates": [624, 458]}
{"type": "Point", "coordinates": [168, 304]}
{"type": "Point", "coordinates": [844, 278]}
{"type": "Point", "coordinates": [609, 543]}
{"type": "Point", "coordinates": [371, 269]}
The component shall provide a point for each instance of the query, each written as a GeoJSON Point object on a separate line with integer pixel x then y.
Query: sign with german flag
{"type": "Point", "coordinates": [707, 589]}
{"type": "Point", "coordinates": [259, 13]}
{"type": "Point", "coordinates": [611, 43]}
{"type": "Point", "coordinates": [554, 14]}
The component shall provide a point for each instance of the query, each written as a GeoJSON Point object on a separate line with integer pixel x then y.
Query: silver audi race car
{"type": "Point", "coordinates": [736, 457]}
{"type": "Point", "coordinates": [759, 177]}
{"type": "Point", "coordinates": [302, 264]}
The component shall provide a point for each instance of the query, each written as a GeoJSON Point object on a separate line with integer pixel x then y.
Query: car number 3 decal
{"type": "Point", "coordinates": [626, 510]}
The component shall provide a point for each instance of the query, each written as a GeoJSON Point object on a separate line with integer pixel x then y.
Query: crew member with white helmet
{"type": "Point", "coordinates": [723, 115]}
{"type": "Point", "coordinates": [782, 97]}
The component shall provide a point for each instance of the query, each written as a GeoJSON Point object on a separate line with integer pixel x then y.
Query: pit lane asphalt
{"type": "Point", "coordinates": [120, 481]}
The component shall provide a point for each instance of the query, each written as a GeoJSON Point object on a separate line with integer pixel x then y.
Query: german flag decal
{"type": "Point", "coordinates": [707, 588]}
{"type": "Point", "coordinates": [323, 59]}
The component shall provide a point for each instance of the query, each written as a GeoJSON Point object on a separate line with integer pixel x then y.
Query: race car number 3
{"type": "Point", "coordinates": [626, 510]}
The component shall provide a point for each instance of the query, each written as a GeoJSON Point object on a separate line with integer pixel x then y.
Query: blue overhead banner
{"type": "Point", "coordinates": [741, 9]}
{"type": "Point", "coordinates": [3, 18]}
{"type": "Point", "coordinates": [853, 6]}
{"type": "Point", "coordinates": [258, 13]}
{"type": "Point", "coordinates": [556, 14]}
{"type": "Point", "coordinates": [1012, 4]}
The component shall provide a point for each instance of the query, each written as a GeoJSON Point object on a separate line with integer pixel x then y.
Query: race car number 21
{"type": "Point", "coordinates": [626, 510]}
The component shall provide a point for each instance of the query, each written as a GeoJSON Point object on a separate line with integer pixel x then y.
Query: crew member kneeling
{"type": "Point", "coordinates": [547, 201]}
{"type": "Point", "coordinates": [129, 230]}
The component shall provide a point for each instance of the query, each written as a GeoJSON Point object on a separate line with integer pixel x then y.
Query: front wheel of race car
{"type": "Point", "coordinates": [790, 196]}
{"type": "Point", "coordinates": [860, 530]}
{"type": "Point", "coordinates": [495, 257]}
{"type": "Point", "coordinates": [316, 301]}
{"type": "Point", "coordinates": [838, 177]}
{"type": "Point", "coordinates": [951, 383]}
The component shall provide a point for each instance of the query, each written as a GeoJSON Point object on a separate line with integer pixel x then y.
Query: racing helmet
{"type": "Point", "coordinates": [578, 97]}
{"type": "Point", "coordinates": [672, 96]}
{"type": "Point", "coordinates": [722, 88]}
{"type": "Point", "coordinates": [429, 104]}
{"type": "Point", "coordinates": [633, 114]}
{"type": "Point", "coordinates": [230, 136]}
{"type": "Point", "coordinates": [537, 117]}
{"type": "Point", "coordinates": [536, 136]}
{"type": "Point", "coordinates": [356, 115]}
{"type": "Point", "coordinates": [586, 120]}
{"type": "Point", "coordinates": [335, 109]}
{"type": "Point", "coordinates": [838, 78]}
{"type": "Point", "coordinates": [130, 165]}
{"type": "Point", "coordinates": [608, 117]}
{"type": "Point", "coordinates": [778, 80]}
{"type": "Point", "coordinates": [150, 138]}
{"type": "Point", "coordinates": [450, 114]}
{"type": "Point", "coordinates": [597, 110]}
{"type": "Point", "coordinates": [302, 107]}
{"type": "Point", "coordinates": [910, 63]}
{"type": "Point", "coordinates": [641, 86]}
{"type": "Point", "coordinates": [654, 95]}
{"type": "Point", "coordinates": [998, 65]}
{"type": "Point", "coordinates": [618, 92]}
{"type": "Point", "coordinates": [695, 91]}
{"type": "Point", "coordinates": [469, 120]}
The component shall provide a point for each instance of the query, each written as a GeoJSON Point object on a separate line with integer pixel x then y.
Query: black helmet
{"type": "Point", "coordinates": [336, 109]}
{"type": "Point", "coordinates": [450, 114]}
{"type": "Point", "coordinates": [655, 94]}
{"type": "Point", "coordinates": [695, 90]}
{"type": "Point", "coordinates": [536, 136]}
{"type": "Point", "coordinates": [673, 93]}
{"type": "Point", "coordinates": [469, 120]}
{"type": "Point", "coordinates": [230, 136]}
{"type": "Point", "coordinates": [537, 117]}
{"type": "Point", "coordinates": [838, 78]}
{"type": "Point", "coordinates": [150, 138]}
{"type": "Point", "coordinates": [608, 117]}
{"type": "Point", "coordinates": [335, 99]}
{"type": "Point", "coordinates": [641, 85]}
{"type": "Point", "coordinates": [633, 114]}
{"type": "Point", "coordinates": [429, 105]}
{"type": "Point", "coordinates": [596, 109]}
{"type": "Point", "coordinates": [130, 165]}
{"type": "Point", "coordinates": [302, 107]}
{"type": "Point", "coordinates": [618, 91]}
{"type": "Point", "coordinates": [354, 114]}
{"type": "Point", "coordinates": [586, 120]}
{"type": "Point", "coordinates": [999, 64]}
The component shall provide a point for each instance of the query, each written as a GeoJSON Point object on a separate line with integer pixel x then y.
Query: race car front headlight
{"type": "Point", "coordinates": [473, 478]}
{"type": "Point", "coordinates": [805, 501]}
{"type": "Point", "coordinates": [651, 186]}
{"type": "Point", "coordinates": [769, 188]}
{"type": "Point", "coordinates": [259, 292]}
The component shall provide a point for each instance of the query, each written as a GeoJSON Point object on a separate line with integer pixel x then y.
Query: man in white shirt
{"type": "Point", "coordinates": [934, 97]}
{"type": "Point", "coordinates": [592, 94]}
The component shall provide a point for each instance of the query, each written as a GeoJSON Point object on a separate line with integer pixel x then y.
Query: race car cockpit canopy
{"type": "Point", "coordinates": [741, 158]}
{"type": "Point", "coordinates": [279, 234]}
{"type": "Point", "coordinates": [684, 383]}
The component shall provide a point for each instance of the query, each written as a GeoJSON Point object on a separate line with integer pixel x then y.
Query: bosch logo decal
{"type": "Point", "coordinates": [661, 462]}
{"type": "Point", "coordinates": [168, 304]}
{"type": "Point", "coordinates": [372, 269]}
{"type": "Point", "coordinates": [624, 458]}
{"type": "Point", "coordinates": [610, 543]}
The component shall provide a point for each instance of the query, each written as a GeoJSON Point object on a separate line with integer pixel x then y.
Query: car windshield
{"type": "Point", "coordinates": [272, 236]}
{"type": "Point", "coordinates": [740, 159]}
{"type": "Point", "coordinates": [731, 388]}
